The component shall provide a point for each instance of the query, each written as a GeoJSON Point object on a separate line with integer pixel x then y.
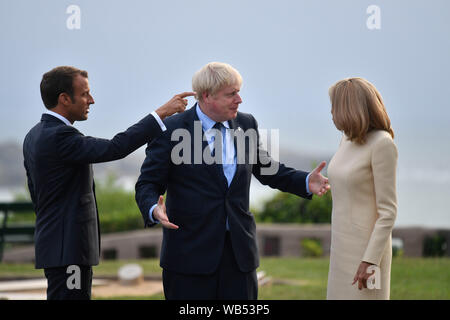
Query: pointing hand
{"type": "Point", "coordinates": [177, 104]}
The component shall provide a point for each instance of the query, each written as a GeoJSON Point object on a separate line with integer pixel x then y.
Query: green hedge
{"type": "Point", "coordinates": [289, 208]}
{"type": "Point", "coordinates": [117, 208]}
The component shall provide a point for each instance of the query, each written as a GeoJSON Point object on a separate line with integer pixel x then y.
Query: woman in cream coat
{"type": "Point", "coordinates": [362, 176]}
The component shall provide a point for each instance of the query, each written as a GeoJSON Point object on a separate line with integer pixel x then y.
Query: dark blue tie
{"type": "Point", "coordinates": [219, 126]}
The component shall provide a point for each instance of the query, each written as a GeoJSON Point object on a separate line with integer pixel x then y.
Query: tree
{"type": "Point", "coordinates": [289, 208]}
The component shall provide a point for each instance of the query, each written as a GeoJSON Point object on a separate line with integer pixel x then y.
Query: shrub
{"type": "Point", "coordinates": [397, 252]}
{"type": "Point", "coordinates": [117, 208]}
{"type": "Point", "coordinates": [289, 208]}
{"type": "Point", "coordinates": [312, 248]}
{"type": "Point", "coordinates": [434, 246]}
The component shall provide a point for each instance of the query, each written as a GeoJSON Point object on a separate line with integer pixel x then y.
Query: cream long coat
{"type": "Point", "coordinates": [363, 186]}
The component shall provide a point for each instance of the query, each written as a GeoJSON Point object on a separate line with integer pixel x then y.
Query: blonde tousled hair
{"type": "Point", "coordinates": [213, 77]}
{"type": "Point", "coordinates": [357, 108]}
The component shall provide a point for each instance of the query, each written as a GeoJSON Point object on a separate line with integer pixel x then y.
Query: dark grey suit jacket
{"type": "Point", "coordinates": [58, 159]}
{"type": "Point", "coordinates": [199, 200]}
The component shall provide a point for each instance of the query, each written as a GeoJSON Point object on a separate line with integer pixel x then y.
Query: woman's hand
{"type": "Point", "coordinates": [361, 275]}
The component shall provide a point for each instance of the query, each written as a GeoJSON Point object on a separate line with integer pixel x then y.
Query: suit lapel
{"type": "Point", "coordinates": [215, 170]}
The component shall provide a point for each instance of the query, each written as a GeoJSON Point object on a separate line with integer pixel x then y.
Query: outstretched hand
{"type": "Point", "coordinates": [177, 104]}
{"type": "Point", "coordinates": [318, 184]}
{"type": "Point", "coordinates": [159, 213]}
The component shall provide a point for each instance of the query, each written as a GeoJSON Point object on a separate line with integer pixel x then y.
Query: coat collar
{"type": "Point", "coordinates": [51, 118]}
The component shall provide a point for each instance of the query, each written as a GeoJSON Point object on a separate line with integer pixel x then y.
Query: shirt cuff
{"type": "Point", "coordinates": [307, 184]}
{"type": "Point", "coordinates": [150, 214]}
{"type": "Point", "coordinates": [158, 119]}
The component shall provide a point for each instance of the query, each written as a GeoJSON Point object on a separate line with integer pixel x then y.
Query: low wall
{"type": "Point", "coordinates": [282, 240]}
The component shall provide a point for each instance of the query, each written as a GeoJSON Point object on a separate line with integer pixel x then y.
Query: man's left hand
{"type": "Point", "coordinates": [318, 184]}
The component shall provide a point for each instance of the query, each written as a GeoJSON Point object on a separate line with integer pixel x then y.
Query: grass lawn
{"type": "Point", "coordinates": [301, 278]}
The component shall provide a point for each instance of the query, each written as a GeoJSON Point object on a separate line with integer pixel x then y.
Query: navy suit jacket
{"type": "Point", "coordinates": [58, 159]}
{"type": "Point", "coordinates": [199, 200]}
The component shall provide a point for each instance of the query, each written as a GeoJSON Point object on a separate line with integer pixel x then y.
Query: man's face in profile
{"type": "Point", "coordinates": [224, 104]}
{"type": "Point", "coordinates": [79, 108]}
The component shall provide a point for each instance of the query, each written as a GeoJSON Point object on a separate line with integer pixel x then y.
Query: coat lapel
{"type": "Point", "coordinates": [215, 170]}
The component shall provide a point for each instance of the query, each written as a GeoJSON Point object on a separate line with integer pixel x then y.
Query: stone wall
{"type": "Point", "coordinates": [273, 240]}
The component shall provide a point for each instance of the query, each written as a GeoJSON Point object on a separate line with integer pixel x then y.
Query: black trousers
{"type": "Point", "coordinates": [226, 283]}
{"type": "Point", "coordinates": [69, 282]}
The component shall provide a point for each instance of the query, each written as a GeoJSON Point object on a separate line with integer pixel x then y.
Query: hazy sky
{"type": "Point", "coordinates": [140, 53]}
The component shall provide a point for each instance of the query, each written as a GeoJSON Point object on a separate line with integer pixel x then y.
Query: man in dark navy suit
{"type": "Point", "coordinates": [209, 248]}
{"type": "Point", "coordinates": [58, 163]}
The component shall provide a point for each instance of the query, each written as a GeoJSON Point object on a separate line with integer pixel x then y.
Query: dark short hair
{"type": "Point", "coordinates": [56, 81]}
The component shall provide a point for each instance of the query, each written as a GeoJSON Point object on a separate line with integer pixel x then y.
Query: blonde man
{"type": "Point", "coordinates": [362, 176]}
{"type": "Point", "coordinates": [209, 248]}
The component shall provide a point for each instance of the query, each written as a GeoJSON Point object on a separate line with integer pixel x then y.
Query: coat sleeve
{"type": "Point", "coordinates": [74, 147]}
{"type": "Point", "coordinates": [277, 175]}
{"type": "Point", "coordinates": [30, 186]}
{"type": "Point", "coordinates": [384, 167]}
{"type": "Point", "coordinates": [152, 181]}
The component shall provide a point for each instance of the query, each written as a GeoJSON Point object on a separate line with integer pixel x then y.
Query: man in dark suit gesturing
{"type": "Point", "coordinates": [209, 248]}
{"type": "Point", "coordinates": [58, 162]}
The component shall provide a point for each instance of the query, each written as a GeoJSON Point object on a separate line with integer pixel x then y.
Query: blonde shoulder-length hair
{"type": "Point", "coordinates": [357, 108]}
{"type": "Point", "coordinates": [213, 77]}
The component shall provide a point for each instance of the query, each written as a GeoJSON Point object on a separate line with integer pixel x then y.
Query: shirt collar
{"type": "Point", "coordinates": [60, 117]}
{"type": "Point", "coordinates": [207, 122]}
